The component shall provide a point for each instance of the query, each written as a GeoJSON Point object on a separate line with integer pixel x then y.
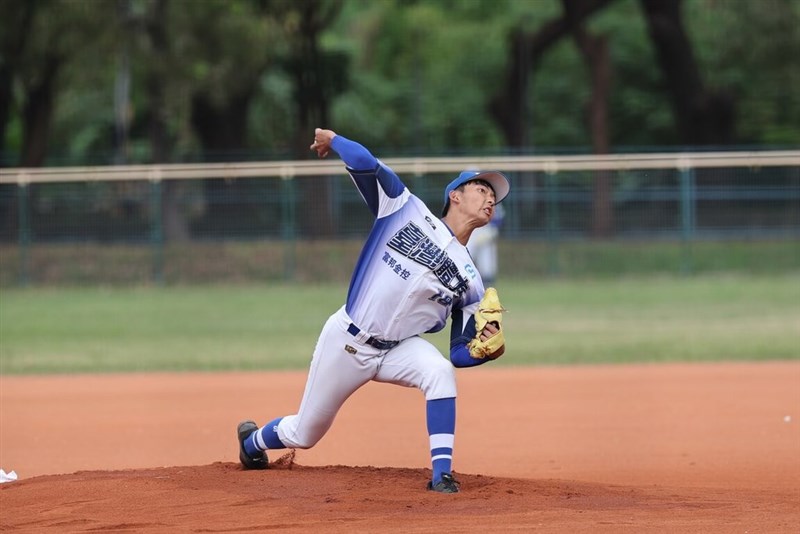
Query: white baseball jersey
{"type": "Point", "coordinates": [412, 273]}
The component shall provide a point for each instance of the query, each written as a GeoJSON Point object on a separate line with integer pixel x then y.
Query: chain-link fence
{"type": "Point", "coordinates": [566, 216]}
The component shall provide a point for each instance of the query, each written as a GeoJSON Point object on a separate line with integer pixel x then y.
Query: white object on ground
{"type": "Point", "coordinates": [11, 476]}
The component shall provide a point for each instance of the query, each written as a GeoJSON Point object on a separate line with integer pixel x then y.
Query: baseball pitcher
{"type": "Point", "coordinates": [414, 272]}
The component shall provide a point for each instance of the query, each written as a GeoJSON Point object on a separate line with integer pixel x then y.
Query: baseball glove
{"type": "Point", "coordinates": [489, 311]}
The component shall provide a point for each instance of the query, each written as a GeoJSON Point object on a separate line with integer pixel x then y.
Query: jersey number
{"type": "Point", "coordinates": [441, 298]}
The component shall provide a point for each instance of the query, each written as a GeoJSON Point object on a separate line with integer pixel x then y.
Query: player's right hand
{"type": "Point", "coordinates": [322, 141]}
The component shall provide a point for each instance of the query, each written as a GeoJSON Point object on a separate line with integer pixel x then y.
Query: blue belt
{"type": "Point", "coordinates": [380, 344]}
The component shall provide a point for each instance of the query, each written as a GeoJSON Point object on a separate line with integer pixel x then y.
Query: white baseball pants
{"type": "Point", "coordinates": [341, 365]}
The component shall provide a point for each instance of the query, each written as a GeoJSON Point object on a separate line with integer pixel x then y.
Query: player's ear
{"type": "Point", "coordinates": [455, 196]}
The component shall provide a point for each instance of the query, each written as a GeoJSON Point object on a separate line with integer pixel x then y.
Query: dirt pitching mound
{"type": "Point", "coordinates": [221, 497]}
{"type": "Point", "coordinates": [712, 448]}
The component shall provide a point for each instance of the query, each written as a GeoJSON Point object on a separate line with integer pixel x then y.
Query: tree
{"type": "Point", "coordinates": [316, 76]}
{"type": "Point", "coordinates": [526, 49]}
{"type": "Point", "coordinates": [18, 18]}
{"type": "Point", "coordinates": [42, 41]}
{"type": "Point", "coordinates": [45, 38]}
{"type": "Point", "coordinates": [217, 54]}
{"type": "Point", "coordinates": [161, 58]}
{"type": "Point", "coordinates": [703, 116]}
{"type": "Point", "coordinates": [594, 49]}
{"type": "Point", "coordinates": [509, 106]}
{"type": "Point", "coordinates": [747, 48]}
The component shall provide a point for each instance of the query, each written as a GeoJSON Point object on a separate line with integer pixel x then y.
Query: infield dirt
{"type": "Point", "coordinates": [634, 448]}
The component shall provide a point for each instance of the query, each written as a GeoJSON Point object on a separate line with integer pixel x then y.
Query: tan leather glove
{"type": "Point", "coordinates": [489, 311]}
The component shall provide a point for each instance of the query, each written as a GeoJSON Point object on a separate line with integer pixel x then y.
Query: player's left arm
{"type": "Point", "coordinates": [464, 332]}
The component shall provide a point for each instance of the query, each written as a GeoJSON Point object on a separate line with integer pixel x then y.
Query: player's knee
{"type": "Point", "coordinates": [440, 380]}
{"type": "Point", "coordinates": [295, 436]}
{"type": "Point", "coordinates": [305, 443]}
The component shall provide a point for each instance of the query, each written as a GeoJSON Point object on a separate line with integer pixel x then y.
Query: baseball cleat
{"type": "Point", "coordinates": [447, 484]}
{"type": "Point", "coordinates": [244, 431]}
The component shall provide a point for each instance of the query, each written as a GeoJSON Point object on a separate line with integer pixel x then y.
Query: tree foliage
{"type": "Point", "coordinates": [248, 78]}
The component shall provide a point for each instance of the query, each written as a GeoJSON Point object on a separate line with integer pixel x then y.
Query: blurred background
{"type": "Point", "coordinates": [160, 208]}
{"type": "Point", "coordinates": [88, 84]}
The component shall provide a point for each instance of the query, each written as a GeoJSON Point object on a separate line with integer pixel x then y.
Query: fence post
{"type": "Point", "coordinates": [687, 217]}
{"type": "Point", "coordinates": [288, 224]}
{"type": "Point", "coordinates": [157, 230]}
{"type": "Point", "coordinates": [552, 217]}
{"type": "Point", "coordinates": [24, 221]}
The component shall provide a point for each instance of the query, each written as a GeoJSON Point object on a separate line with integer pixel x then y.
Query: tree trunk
{"type": "Point", "coordinates": [175, 223]}
{"type": "Point", "coordinates": [307, 70]}
{"type": "Point", "coordinates": [6, 94]}
{"type": "Point", "coordinates": [594, 50]}
{"type": "Point", "coordinates": [222, 130]}
{"type": "Point", "coordinates": [18, 18]}
{"type": "Point", "coordinates": [509, 106]}
{"type": "Point", "coordinates": [38, 114]}
{"type": "Point", "coordinates": [702, 116]}
{"type": "Point", "coordinates": [603, 191]}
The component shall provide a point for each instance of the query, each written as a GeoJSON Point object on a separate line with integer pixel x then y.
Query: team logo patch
{"type": "Point", "coordinates": [411, 242]}
{"type": "Point", "coordinates": [471, 270]}
{"type": "Point", "coordinates": [350, 349]}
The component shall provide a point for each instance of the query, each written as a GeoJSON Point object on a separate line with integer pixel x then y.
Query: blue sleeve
{"type": "Point", "coordinates": [460, 357]}
{"type": "Point", "coordinates": [367, 172]}
{"type": "Point", "coordinates": [354, 155]}
{"type": "Point", "coordinates": [460, 335]}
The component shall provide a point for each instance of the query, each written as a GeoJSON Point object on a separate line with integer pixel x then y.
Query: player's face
{"type": "Point", "coordinates": [478, 200]}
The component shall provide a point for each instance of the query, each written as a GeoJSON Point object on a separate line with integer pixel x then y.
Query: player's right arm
{"type": "Point", "coordinates": [368, 173]}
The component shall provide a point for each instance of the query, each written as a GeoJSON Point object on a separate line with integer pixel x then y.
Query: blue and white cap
{"type": "Point", "coordinates": [497, 180]}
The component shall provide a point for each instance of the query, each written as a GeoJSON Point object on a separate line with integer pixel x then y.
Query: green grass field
{"type": "Point", "coordinates": [632, 319]}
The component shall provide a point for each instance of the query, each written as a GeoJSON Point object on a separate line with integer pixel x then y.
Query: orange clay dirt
{"type": "Point", "coordinates": [634, 448]}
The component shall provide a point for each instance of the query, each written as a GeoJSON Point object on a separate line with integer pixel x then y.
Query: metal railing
{"type": "Point", "coordinates": [414, 166]}
{"type": "Point", "coordinates": [682, 197]}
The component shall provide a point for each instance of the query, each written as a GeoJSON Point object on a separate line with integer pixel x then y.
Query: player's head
{"type": "Point", "coordinates": [497, 181]}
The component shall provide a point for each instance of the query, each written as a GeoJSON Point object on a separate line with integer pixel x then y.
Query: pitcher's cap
{"type": "Point", "coordinates": [497, 180]}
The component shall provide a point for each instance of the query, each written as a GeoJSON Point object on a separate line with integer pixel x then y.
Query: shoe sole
{"type": "Point", "coordinates": [244, 431]}
{"type": "Point", "coordinates": [445, 490]}
{"type": "Point", "coordinates": [445, 486]}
